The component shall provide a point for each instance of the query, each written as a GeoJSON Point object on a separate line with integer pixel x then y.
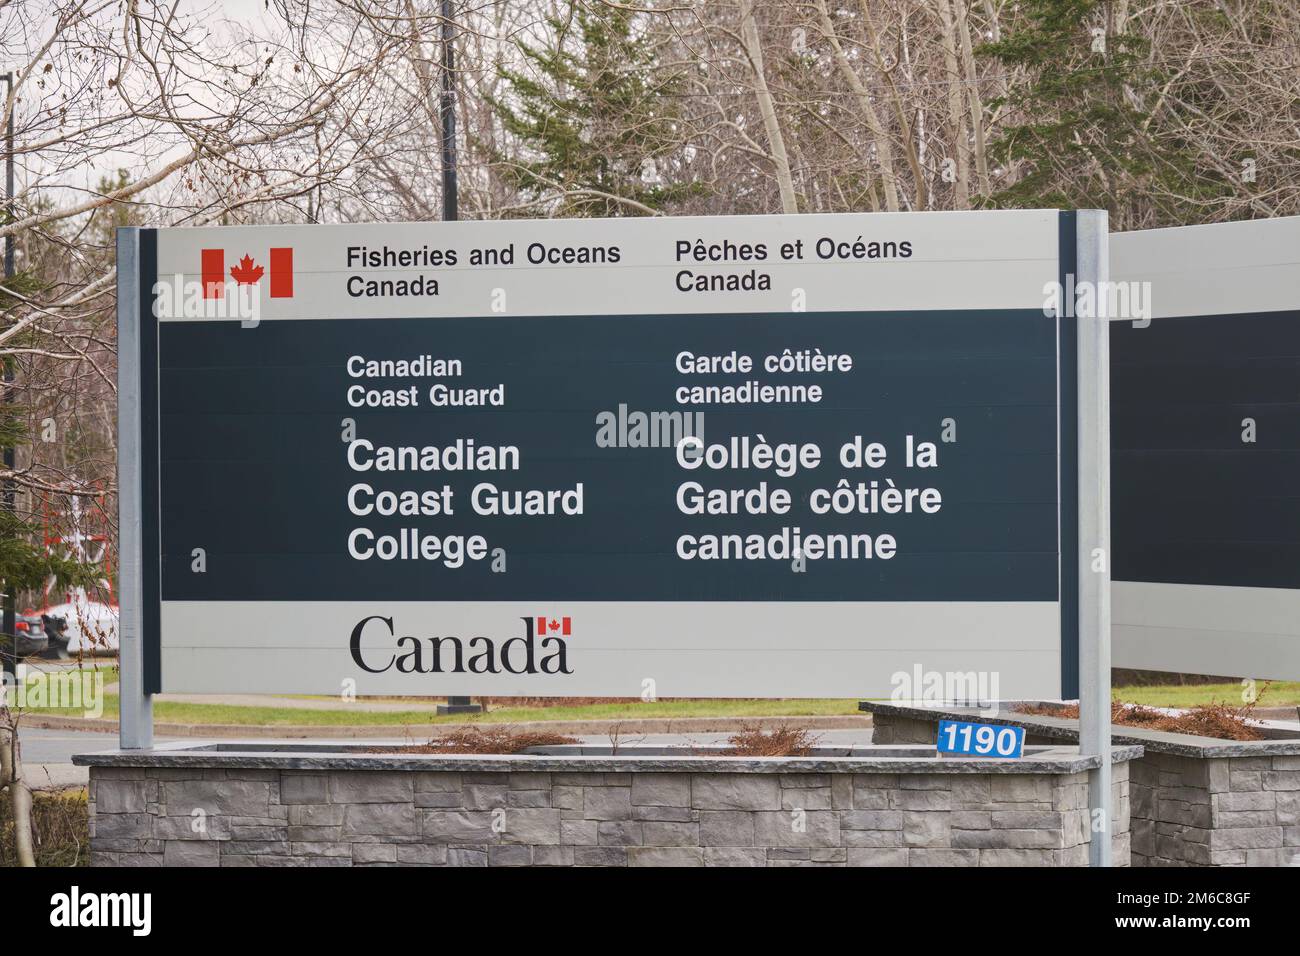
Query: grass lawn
{"type": "Point", "coordinates": [187, 713]}
{"type": "Point", "coordinates": [1274, 694]}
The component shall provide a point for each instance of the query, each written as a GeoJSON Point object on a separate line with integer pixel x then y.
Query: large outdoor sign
{"type": "Point", "coordinates": [769, 456]}
{"type": "Point", "coordinates": [1206, 450]}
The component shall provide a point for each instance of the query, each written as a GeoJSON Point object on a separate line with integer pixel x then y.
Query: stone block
{"type": "Point", "coordinates": [942, 857]}
{"type": "Point", "coordinates": [927, 829]}
{"type": "Point", "coordinates": [536, 780]}
{"type": "Point", "coordinates": [660, 833]}
{"type": "Point", "coordinates": [191, 853]}
{"type": "Point", "coordinates": [532, 826]}
{"type": "Point", "coordinates": [1017, 857]}
{"type": "Point", "coordinates": [579, 832]}
{"type": "Point", "coordinates": [449, 800]}
{"type": "Point", "coordinates": [607, 803]}
{"type": "Point", "coordinates": [661, 790]}
{"type": "Point", "coordinates": [871, 856]}
{"type": "Point", "coordinates": [296, 788]}
{"type": "Point", "coordinates": [510, 855]}
{"type": "Point", "coordinates": [735, 856]}
{"type": "Point", "coordinates": [1026, 819]}
{"type": "Point", "coordinates": [920, 799]}
{"type": "Point", "coordinates": [232, 797]}
{"type": "Point", "coordinates": [384, 819]}
{"type": "Point", "coordinates": [437, 781]}
{"type": "Point", "coordinates": [457, 826]}
{"type": "Point", "coordinates": [483, 796]}
{"type": "Point", "coordinates": [793, 798]}
{"type": "Point", "coordinates": [552, 856]}
{"type": "Point", "coordinates": [819, 828]}
{"type": "Point", "coordinates": [466, 856]}
{"type": "Point", "coordinates": [133, 826]}
{"type": "Point", "coordinates": [665, 856]}
{"type": "Point", "coordinates": [735, 791]}
{"type": "Point", "coordinates": [566, 798]}
{"type": "Point", "coordinates": [666, 814]}
{"type": "Point", "coordinates": [599, 856]}
{"type": "Point", "coordinates": [1246, 838]}
{"type": "Point", "coordinates": [123, 796]}
{"type": "Point", "coordinates": [1237, 801]}
{"type": "Point", "coordinates": [870, 799]}
{"type": "Point", "coordinates": [1020, 788]}
{"type": "Point", "coordinates": [528, 798]}
{"type": "Point", "coordinates": [872, 838]}
{"type": "Point", "coordinates": [421, 854]}
{"type": "Point", "coordinates": [374, 853]}
{"type": "Point", "coordinates": [726, 828]}
{"type": "Point", "coordinates": [1282, 780]}
{"type": "Point", "coordinates": [619, 833]}
{"type": "Point", "coordinates": [871, 820]}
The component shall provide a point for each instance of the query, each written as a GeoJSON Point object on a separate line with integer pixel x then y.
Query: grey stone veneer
{"type": "Point", "coordinates": [294, 808]}
{"type": "Point", "coordinates": [1195, 801]}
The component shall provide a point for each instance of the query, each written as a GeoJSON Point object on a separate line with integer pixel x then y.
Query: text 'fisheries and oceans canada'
{"type": "Point", "coordinates": [859, 481]}
{"type": "Point", "coordinates": [697, 265]}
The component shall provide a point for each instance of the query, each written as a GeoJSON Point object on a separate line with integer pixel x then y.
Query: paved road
{"type": "Point", "coordinates": [58, 746]}
{"type": "Point", "coordinates": [47, 755]}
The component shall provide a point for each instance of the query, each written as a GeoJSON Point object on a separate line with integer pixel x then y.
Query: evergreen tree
{"type": "Point", "coordinates": [594, 118]}
{"type": "Point", "coordinates": [1083, 140]}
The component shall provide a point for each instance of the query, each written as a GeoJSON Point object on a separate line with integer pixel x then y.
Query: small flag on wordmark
{"type": "Point", "coordinates": [551, 625]}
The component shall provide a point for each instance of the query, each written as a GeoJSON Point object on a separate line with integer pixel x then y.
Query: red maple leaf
{"type": "Point", "coordinates": [247, 272]}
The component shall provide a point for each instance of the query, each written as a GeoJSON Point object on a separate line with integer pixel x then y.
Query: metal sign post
{"type": "Point", "coordinates": [1094, 526]}
{"type": "Point", "coordinates": [135, 705]}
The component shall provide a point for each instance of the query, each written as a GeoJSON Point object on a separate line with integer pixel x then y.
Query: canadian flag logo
{"type": "Point", "coordinates": [551, 625]}
{"type": "Point", "coordinates": [247, 271]}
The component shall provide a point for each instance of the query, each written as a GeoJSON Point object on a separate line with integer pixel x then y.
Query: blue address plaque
{"type": "Point", "coordinates": [980, 740]}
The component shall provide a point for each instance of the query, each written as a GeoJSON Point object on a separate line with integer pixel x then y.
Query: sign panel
{"type": "Point", "coordinates": [739, 456]}
{"type": "Point", "coordinates": [1206, 450]}
{"type": "Point", "coordinates": [980, 740]}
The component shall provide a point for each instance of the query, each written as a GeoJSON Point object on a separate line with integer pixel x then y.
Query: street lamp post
{"type": "Point", "coordinates": [450, 212]}
{"type": "Point", "coordinates": [9, 619]}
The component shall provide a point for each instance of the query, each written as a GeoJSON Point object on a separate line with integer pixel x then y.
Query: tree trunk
{"type": "Point", "coordinates": [776, 141]}
{"type": "Point", "coordinates": [11, 776]}
{"type": "Point", "coordinates": [956, 109]}
{"type": "Point", "coordinates": [900, 113]}
{"type": "Point", "coordinates": [973, 94]}
{"type": "Point", "coordinates": [884, 149]}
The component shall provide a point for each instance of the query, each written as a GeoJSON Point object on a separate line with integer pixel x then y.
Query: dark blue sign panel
{"type": "Point", "coordinates": [274, 462]}
{"type": "Point", "coordinates": [1205, 461]}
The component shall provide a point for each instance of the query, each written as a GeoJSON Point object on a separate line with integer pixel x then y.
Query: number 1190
{"type": "Point", "coordinates": [984, 740]}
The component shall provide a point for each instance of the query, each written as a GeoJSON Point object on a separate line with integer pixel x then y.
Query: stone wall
{"type": "Point", "coordinates": [1195, 802]}
{"type": "Point", "coordinates": [147, 816]}
{"type": "Point", "coordinates": [1226, 811]}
